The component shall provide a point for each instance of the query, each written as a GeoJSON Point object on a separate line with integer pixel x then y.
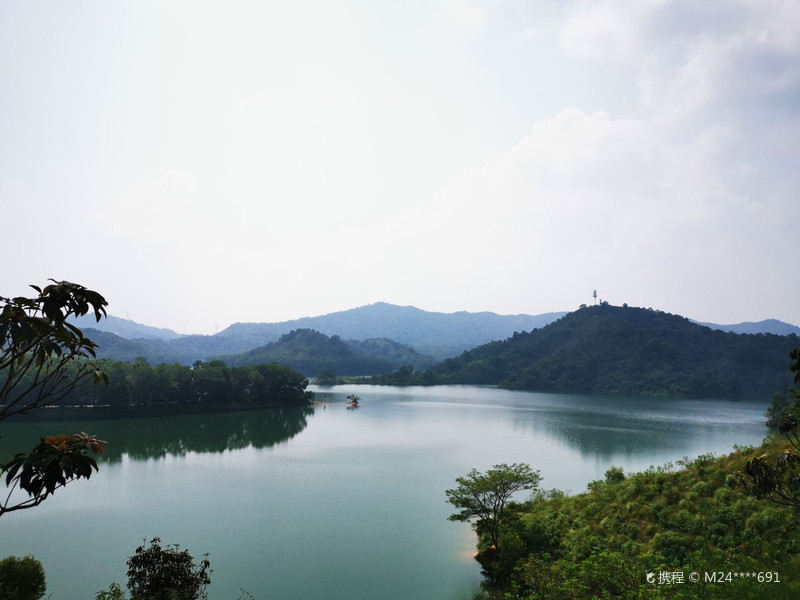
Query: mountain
{"type": "Point", "coordinates": [438, 335]}
{"type": "Point", "coordinates": [156, 351]}
{"type": "Point", "coordinates": [123, 328]}
{"type": "Point", "coordinates": [629, 351]}
{"type": "Point", "coordinates": [766, 326]}
{"type": "Point", "coordinates": [309, 352]}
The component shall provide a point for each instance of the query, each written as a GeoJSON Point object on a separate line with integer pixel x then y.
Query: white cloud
{"type": "Point", "coordinates": [158, 210]}
{"type": "Point", "coordinates": [694, 59]}
{"type": "Point", "coordinates": [463, 14]}
{"type": "Point", "coordinates": [587, 197]}
{"type": "Point", "coordinates": [604, 29]}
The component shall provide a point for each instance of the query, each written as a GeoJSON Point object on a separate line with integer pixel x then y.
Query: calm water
{"type": "Point", "coordinates": [337, 503]}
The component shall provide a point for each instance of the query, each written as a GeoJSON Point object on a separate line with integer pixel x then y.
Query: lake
{"type": "Point", "coordinates": [334, 502]}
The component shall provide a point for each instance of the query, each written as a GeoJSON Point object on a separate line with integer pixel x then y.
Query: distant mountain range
{"type": "Point", "coordinates": [594, 349]}
{"type": "Point", "coordinates": [124, 328]}
{"type": "Point", "coordinates": [405, 324]}
{"type": "Point", "coordinates": [437, 334]}
{"type": "Point", "coordinates": [766, 326]}
{"type": "Point", "coordinates": [432, 334]}
{"type": "Point", "coordinates": [628, 351]}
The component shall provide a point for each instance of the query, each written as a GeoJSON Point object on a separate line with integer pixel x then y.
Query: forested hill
{"type": "Point", "coordinates": [631, 351]}
{"type": "Point", "coordinates": [310, 352]}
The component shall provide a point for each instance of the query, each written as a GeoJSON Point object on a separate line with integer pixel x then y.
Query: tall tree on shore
{"type": "Point", "coordinates": [484, 496]}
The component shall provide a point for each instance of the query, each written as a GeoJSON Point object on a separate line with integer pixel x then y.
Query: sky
{"type": "Point", "coordinates": [201, 162]}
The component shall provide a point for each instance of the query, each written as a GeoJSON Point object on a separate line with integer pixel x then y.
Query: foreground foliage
{"type": "Point", "coordinates": [778, 480]}
{"type": "Point", "coordinates": [42, 356]}
{"type": "Point", "coordinates": [602, 543]}
{"type": "Point", "coordinates": [55, 461]}
{"type": "Point", "coordinates": [42, 360]}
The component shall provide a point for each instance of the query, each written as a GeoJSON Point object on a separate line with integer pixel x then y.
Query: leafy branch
{"type": "Point", "coordinates": [42, 356]}
{"type": "Point", "coordinates": [54, 462]}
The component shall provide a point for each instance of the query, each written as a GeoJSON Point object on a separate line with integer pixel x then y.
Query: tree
{"type": "Point", "coordinates": [157, 573]}
{"type": "Point", "coordinates": [326, 377]}
{"type": "Point", "coordinates": [114, 592]}
{"type": "Point", "coordinates": [484, 497]}
{"type": "Point", "coordinates": [21, 579]}
{"type": "Point", "coordinates": [42, 359]}
{"type": "Point", "coordinates": [779, 482]}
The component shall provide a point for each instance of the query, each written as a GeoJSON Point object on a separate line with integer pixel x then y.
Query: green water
{"type": "Point", "coordinates": [332, 502]}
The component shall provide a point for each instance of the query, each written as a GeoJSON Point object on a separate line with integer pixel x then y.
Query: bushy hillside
{"type": "Point", "coordinates": [688, 518]}
{"type": "Point", "coordinates": [630, 351]}
{"type": "Point", "coordinates": [395, 353]}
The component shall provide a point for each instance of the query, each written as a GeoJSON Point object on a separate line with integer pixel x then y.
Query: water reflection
{"type": "Point", "coordinates": [601, 427]}
{"type": "Point", "coordinates": [610, 427]}
{"type": "Point", "coordinates": [156, 437]}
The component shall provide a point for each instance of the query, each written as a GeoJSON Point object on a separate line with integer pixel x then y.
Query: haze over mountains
{"type": "Point", "coordinates": [767, 326]}
{"type": "Point", "coordinates": [438, 335]}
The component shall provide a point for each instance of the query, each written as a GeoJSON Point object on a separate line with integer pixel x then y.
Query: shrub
{"type": "Point", "coordinates": [157, 573]}
{"type": "Point", "coordinates": [21, 579]}
{"type": "Point", "coordinates": [114, 592]}
{"type": "Point", "coordinates": [615, 475]}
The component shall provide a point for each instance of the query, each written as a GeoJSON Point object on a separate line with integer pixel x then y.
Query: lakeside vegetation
{"type": "Point", "coordinates": [140, 388]}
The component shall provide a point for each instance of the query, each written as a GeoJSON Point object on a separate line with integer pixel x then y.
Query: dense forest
{"type": "Point", "coordinates": [689, 518]}
{"type": "Point", "coordinates": [622, 350]}
{"type": "Point", "coordinates": [140, 388]}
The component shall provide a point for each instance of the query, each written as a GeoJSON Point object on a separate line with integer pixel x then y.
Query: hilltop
{"type": "Point", "coordinates": [309, 352]}
{"type": "Point", "coordinates": [629, 351]}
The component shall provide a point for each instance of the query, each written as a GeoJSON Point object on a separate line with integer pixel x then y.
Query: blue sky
{"type": "Point", "coordinates": [203, 162]}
